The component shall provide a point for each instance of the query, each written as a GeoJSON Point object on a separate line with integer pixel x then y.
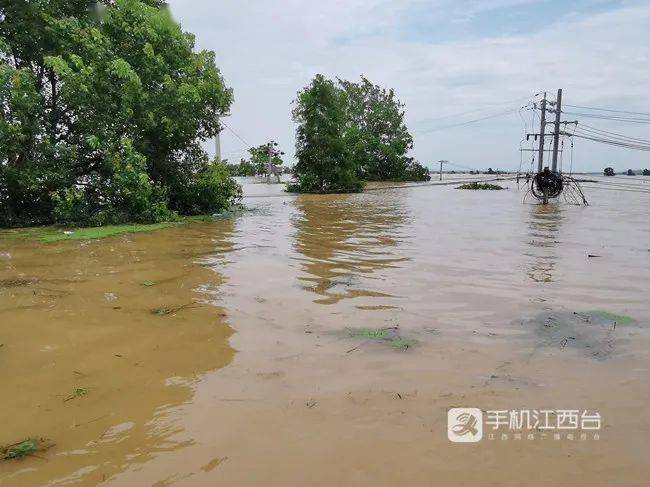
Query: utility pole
{"type": "Point", "coordinates": [556, 135]}
{"type": "Point", "coordinates": [542, 131]}
{"type": "Point", "coordinates": [217, 137]}
{"type": "Point", "coordinates": [270, 163]}
{"type": "Point", "coordinates": [217, 144]}
{"type": "Point", "coordinates": [441, 163]}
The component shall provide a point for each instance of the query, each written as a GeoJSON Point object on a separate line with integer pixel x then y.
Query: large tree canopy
{"type": "Point", "coordinates": [324, 159]}
{"type": "Point", "coordinates": [101, 115]}
{"type": "Point", "coordinates": [351, 132]}
{"type": "Point", "coordinates": [377, 135]}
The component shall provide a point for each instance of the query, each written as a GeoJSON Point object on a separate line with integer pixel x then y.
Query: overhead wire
{"type": "Point", "coordinates": [607, 110]}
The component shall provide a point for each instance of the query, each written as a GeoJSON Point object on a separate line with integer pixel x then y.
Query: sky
{"type": "Point", "coordinates": [450, 62]}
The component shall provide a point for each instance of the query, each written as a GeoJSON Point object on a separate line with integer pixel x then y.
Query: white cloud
{"type": "Point", "coordinates": [268, 50]}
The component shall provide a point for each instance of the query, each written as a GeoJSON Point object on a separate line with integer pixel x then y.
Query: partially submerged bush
{"type": "Point", "coordinates": [210, 192]}
{"type": "Point", "coordinates": [122, 192]}
{"type": "Point", "coordinates": [481, 187]}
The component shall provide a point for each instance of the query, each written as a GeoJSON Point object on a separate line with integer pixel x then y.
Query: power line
{"type": "Point", "coordinates": [614, 143]}
{"type": "Point", "coordinates": [584, 126]}
{"type": "Point", "coordinates": [608, 110]}
{"type": "Point", "coordinates": [469, 122]}
{"type": "Point", "coordinates": [235, 133]}
{"type": "Point", "coordinates": [609, 117]}
{"type": "Point", "coordinates": [493, 105]}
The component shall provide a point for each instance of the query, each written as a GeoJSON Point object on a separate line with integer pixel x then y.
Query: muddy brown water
{"type": "Point", "coordinates": [229, 353]}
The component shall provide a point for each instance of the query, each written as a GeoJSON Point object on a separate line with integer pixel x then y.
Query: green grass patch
{"type": "Point", "coordinates": [387, 336]}
{"type": "Point", "coordinates": [481, 187]}
{"type": "Point", "coordinates": [58, 234]}
{"type": "Point", "coordinates": [25, 448]}
{"type": "Point", "coordinates": [368, 333]}
{"type": "Point", "coordinates": [607, 316]}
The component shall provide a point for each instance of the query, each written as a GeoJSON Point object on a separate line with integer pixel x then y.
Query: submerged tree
{"type": "Point", "coordinates": [324, 161]}
{"type": "Point", "coordinates": [243, 169]}
{"type": "Point", "coordinates": [101, 116]}
{"type": "Point", "coordinates": [377, 135]}
{"type": "Point", "coordinates": [609, 172]}
{"type": "Point", "coordinates": [266, 158]}
{"type": "Point", "coordinates": [351, 132]}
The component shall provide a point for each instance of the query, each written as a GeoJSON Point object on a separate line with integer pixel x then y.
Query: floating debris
{"type": "Point", "coordinates": [149, 283]}
{"type": "Point", "coordinates": [17, 282]}
{"type": "Point", "coordinates": [79, 392]}
{"type": "Point", "coordinates": [165, 311]}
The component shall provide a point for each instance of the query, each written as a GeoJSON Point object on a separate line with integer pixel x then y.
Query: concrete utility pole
{"type": "Point", "coordinates": [542, 132]}
{"type": "Point", "coordinates": [217, 138]}
{"type": "Point", "coordinates": [217, 144]}
{"type": "Point", "coordinates": [556, 135]}
{"type": "Point", "coordinates": [441, 163]}
{"type": "Point", "coordinates": [270, 163]}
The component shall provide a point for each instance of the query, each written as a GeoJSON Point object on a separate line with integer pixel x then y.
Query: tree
{"type": "Point", "coordinates": [101, 116]}
{"type": "Point", "coordinates": [324, 160]}
{"type": "Point", "coordinates": [243, 169]}
{"type": "Point", "coordinates": [264, 154]}
{"type": "Point", "coordinates": [609, 172]}
{"type": "Point", "coordinates": [646, 172]}
{"type": "Point", "coordinates": [630, 172]}
{"type": "Point", "coordinates": [377, 137]}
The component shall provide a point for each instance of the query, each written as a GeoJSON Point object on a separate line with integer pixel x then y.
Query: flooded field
{"type": "Point", "coordinates": [321, 340]}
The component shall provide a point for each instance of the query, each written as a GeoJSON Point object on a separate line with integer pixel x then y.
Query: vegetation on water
{"type": "Point", "coordinates": [481, 187]}
{"type": "Point", "coordinates": [260, 158]}
{"type": "Point", "coordinates": [609, 172]}
{"type": "Point", "coordinates": [349, 133]}
{"type": "Point", "coordinates": [244, 169]}
{"type": "Point", "coordinates": [389, 336]}
{"type": "Point", "coordinates": [53, 234]}
{"type": "Point", "coordinates": [608, 316]}
{"type": "Point", "coordinates": [57, 234]}
{"type": "Point", "coordinates": [101, 117]}
{"type": "Point", "coordinates": [25, 448]}
{"type": "Point", "coordinates": [79, 392]}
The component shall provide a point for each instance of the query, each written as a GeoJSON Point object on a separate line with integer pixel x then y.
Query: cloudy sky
{"type": "Point", "coordinates": [450, 61]}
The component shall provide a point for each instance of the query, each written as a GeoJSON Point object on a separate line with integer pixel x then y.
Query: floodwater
{"type": "Point", "coordinates": [230, 353]}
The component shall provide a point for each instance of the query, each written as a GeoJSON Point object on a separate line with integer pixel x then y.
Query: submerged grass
{"type": "Point", "coordinates": [79, 392]}
{"type": "Point", "coordinates": [388, 336]}
{"type": "Point", "coordinates": [606, 315]}
{"type": "Point", "coordinates": [57, 234]}
{"type": "Point", "coordinates": [25, 448]}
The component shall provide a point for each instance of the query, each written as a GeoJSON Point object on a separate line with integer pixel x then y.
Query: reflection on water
{"type": "Point", "coordinates": [544, 224]}
{"type": "Point", "coordinates": [344, 241]}
{"type": "Point", "coordinates": [121, 321]}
